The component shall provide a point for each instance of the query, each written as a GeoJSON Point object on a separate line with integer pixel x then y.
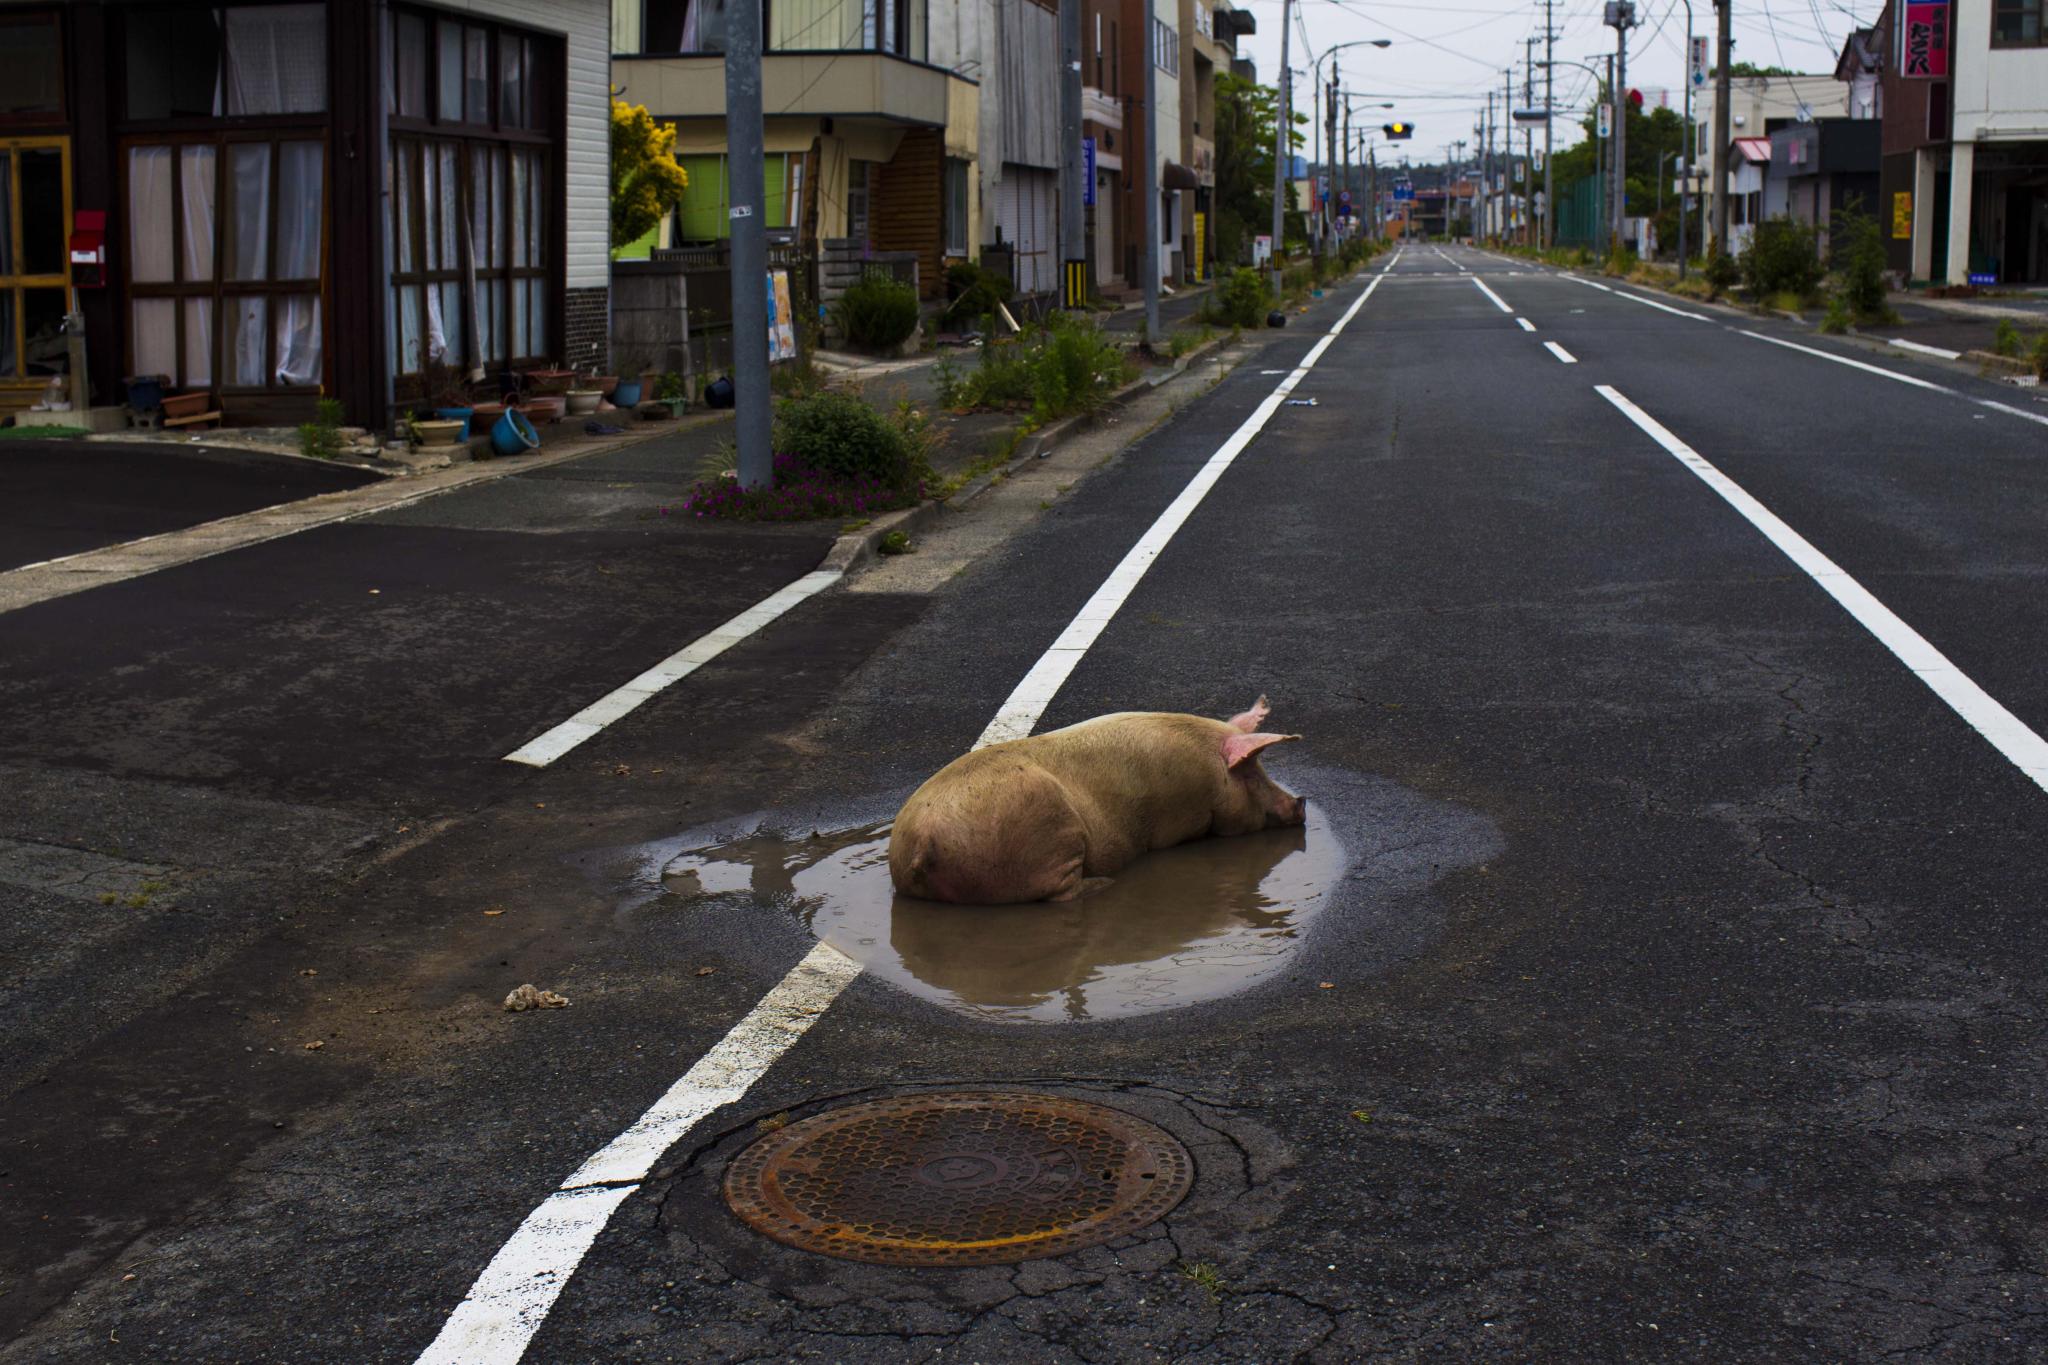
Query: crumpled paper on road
{"type": "Point", "coordinates": [532, 997]}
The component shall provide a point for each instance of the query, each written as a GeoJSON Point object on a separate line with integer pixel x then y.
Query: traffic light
{"type": "Point", "coordinates": [1397, 130]}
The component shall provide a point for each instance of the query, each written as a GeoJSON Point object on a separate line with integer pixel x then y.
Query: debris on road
{"type": "Point", "coordinates": [532, 997]}
{"type": "Point", "coordinates": [495, 910]}
{"type": "Point", "coordinates": [706, 971]}
{"type": "Point", "coordinates": [315, 1045]}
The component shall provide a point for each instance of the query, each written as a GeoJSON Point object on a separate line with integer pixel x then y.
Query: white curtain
{"type": "Point", "coordinates": [437, 335]}
{"type": "Point", "coordinates": [249, 210]}
{"type": "Point", "coordinates": [277, 59]}
{"type": "Point", "coordinates": [149, 215]}
{"type": "Point", "coordinates": [298, 340]}
{"type": "Point", "coordinates": [154, 337]}
{"type": "Point", "coordinates": [198, 343]}
{"type": "Point", "coordinates": [196, 172]}
{"type": "Point", "coordinates": [248, 318]}
{"type": "Point", "coordinates": [299, 212]}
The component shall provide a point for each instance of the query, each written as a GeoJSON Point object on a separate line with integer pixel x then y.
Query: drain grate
{"type": "Point", "coordinates": [963, 1178]}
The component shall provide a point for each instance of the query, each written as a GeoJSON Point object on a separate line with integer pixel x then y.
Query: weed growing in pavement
{"type": "Point", "coordinates": [895, 543]}
{"type": "Point", "coordinates": [2039, 356]}
{"type": "Point", "coordinates": [2006, 341]}
{"type": "Point", "coordinates": [1783, 257]}
{"type": "Point", "coordinates": [1206, 1276]}
{"type": "Point", "coordinates": [1241, 300]}
{"type": "Point", "coordinates": [1062, 366]}
{"type": "Point", "coordinates": [798, 492]}
{"type": "Point", "coordinates": [320, 439]}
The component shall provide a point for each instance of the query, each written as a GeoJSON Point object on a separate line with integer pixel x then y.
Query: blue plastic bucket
{"type": "Point", "coordinates": [461, 415]}
{"type": "Point", "coordinates": [627, 394]}
{"type": "Point", "coordinates": [513, 434]}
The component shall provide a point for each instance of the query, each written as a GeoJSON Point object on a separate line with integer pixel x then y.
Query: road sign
{"type": "Point", "coordinates": [1404, 192]}
{"type": "Point", "coordinates": [1605, 125]}
{"type": "Point", "coordinates": [1696, 65]}
{"type": "Point", "coordinates": [1902, 215]}
{"type": "Point", "coordinates": [1088, 172]}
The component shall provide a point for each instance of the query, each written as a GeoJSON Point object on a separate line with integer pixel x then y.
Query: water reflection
{"type": "Point", "coordinates": [1182, 925]}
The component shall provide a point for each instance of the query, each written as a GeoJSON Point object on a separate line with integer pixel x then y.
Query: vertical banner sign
{"type": "Point", "coordinates": [1201, 246]}
{"type": "Point", "coordinates": [1902, 215]}
{"type": "Point", "coordinates": [1696, 61]}
{"type": "Point", "coordinates": [1606, 123]}
{"type": "Point", "coordinates": [781, 322]}
{"type": "Point", "coordinates": [1926, 41]}
{"type": "Point", "coordinates": [1088, 172]}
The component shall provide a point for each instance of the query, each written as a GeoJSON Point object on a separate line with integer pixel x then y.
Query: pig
{"type": "Point", "coordinates": [1040, 818]}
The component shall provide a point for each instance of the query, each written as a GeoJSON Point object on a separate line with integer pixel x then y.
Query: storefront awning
{"type": "Point", "coordinates": [1178, 177]}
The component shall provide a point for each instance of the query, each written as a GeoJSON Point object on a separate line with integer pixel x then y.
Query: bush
{"type": "Point", "coordinates": [1241, 299]}
{"type": "Point", "coordinates": [877, 310]}
{"type": "Point", "coordinates": [320, 439]}
{"type": "Point", "coordinates": [1722, 273]}
{"type": "Point", "coordinates": [839, 436]}
{"type": "Point", "coordinates": [2039, 356]}
{"type": "Point", "coordinates": [2007, 339]}
{"type": "Point", "coordinates": [799, 492]}
{"type": "Point", "coordinates": [973, 291]}
{"type": "Point", "coordinates": [1782, 257]}
{"type": "Point", "coordinates": [1859, 251]}
{"type": "Point", "coordinates": [1073, 367]}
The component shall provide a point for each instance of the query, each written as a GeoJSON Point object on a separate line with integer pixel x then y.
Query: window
{"type": "Point", "coordinates": [31, 69]}
{"type": "Point", "coordinates": [229, 297]}
{"type": "Point", "coordinates": [896, 26]}
{"type": "Point", "coordinates": [202, 61]}
{"type": "Point", "coordinates": [469, 238]}
{"type": "Point", "coordinates": [1166, 47]}
{"type": "Point", "coordinates": [955, 188]}
{"type": "Point", "coordinates": [2016, 23]}
{"type": "Point", "coordinates": [702, 214]}
{"type": "Point", "coordinates": [34, 209]}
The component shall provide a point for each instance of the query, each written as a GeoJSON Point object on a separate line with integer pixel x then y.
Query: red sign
{"type": "Point", "coordinates": [1924, 51]}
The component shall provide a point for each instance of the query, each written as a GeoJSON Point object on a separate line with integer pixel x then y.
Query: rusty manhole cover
{"type": "Point", "coordinates": [965, 1178]}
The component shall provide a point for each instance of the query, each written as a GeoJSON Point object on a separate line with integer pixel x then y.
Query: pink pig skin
{"type": "Point", "coordinates": [1031, 819]}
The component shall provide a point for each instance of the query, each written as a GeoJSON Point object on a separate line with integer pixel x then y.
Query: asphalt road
{"type": "Point", "coordinates": [1683, 976]}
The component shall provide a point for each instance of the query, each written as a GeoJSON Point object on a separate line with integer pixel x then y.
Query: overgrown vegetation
{"type": "Point", "coordinates": [320, 439]}
{"type": "Point", "coordinates": [974, 293]}
{"type": "Point", "coordinates": [836, 456]}
{"type": "Point", "coordinates": [2006, 340]}
{"type": "Point", "coordinates": [1782, 258]}
{"type": "Point", "coordinates": [798, 492]}
{"type": "Point", "coordinates": [1064, 365]}
{"type": "Point", "coordinates": [877, 311]}
{"type": "Point", "coordinates": [1241, 300]}
{"type": "Point", "coordinates": [646, 181]}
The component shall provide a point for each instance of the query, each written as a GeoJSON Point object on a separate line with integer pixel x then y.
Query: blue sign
{"type": "Point", "coordinates": [1977, 277]}
{"type": "Point", "coordinates": [1088, 172]}
{"type": "Point", "coordinates": [1404, 192]}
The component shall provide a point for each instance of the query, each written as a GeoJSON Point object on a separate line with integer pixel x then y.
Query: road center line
{"type": "Point", "coordinates": [2007, 733]}
{"type": "Point", "coordinates": [1526, 325]}
{"type": "Point", "coordinates": [1497, 300]}
{"type": "Point", "coordinates": [1560, 352]}
{"type": "Point", "coordinates": [511, 1298]}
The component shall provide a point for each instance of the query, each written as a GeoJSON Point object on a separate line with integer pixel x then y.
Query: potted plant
{"type": "Point", "coordinates": [447, 399]}
{"type": "Point", "coordinates": [671, 392]}
{"type": "Point", "coordinates": [550, 381]}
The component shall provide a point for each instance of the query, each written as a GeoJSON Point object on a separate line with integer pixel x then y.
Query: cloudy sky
{"type": "Point", "coordinates": [1446, 56]}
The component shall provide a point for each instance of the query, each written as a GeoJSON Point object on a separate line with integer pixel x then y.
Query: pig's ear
{"type": "Point", "coordinates": [1242, 748]}
{"type": "Point", "coordinates": [1251, 720]}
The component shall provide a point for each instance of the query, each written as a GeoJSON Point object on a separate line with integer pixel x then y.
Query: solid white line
{"type": "Point", "coordinates": [1527, 325]}
{"type": "Point", "coordinates": [1497, 301]}
{"type": "Point", "coordinates": [1997, 406]}
{"type": "Point", "coordinates": [2007, 733]}
{"type": "Point", "coordinates": [510, 1299]}
{"type": "Point", "coordinates": [1028, 702]}
{"type": "Point", "coordinates": [592, 719]}
{"type": "Point", "coordinates": [508, 1302]}
{"type": "Point", "coordinates": [1560, 352]}
{"type": "Point", "coordinates": [1914, 380]}
{"type": "Point", "coordinates": [1924, 349]}
{"type": "Point", "coordinates": [1638, 298]}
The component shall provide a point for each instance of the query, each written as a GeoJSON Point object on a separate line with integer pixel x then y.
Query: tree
{"type": "Point", "coordinates": [646, 181]}
{"type": "Point", "coordinates": [1245, 114]}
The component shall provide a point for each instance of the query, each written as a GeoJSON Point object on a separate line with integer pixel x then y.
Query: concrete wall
{"type": "Point", "coordinates": [1998, 93]}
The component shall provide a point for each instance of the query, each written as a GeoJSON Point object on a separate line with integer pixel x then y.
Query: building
{"type": "Point", "coordinates": [194, 180]}
{"type": "Point", "coordinates": [1996, 97]}
{"type": "Point", "coordinates": [866, 139]}
{"type": "Point", "coordinates": [1209, 33]}
{"type": "Point", "coordinates": [1757, 107]}
{"type": "Point", "coordinates": [1820, 170]}
{"type": "Point", "coordinates": [1153, 133]}
{"type": "Point", "coordinates": [1107, 235]}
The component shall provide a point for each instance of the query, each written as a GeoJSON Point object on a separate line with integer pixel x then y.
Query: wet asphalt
{"type": "Point", "coordinates": [1683, 981]}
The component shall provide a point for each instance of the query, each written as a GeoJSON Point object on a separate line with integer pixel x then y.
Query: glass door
{"type": "Point", "coordinates": [35, 260]}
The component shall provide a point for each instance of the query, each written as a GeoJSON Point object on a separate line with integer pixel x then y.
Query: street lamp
{"type": "Point", "coordinates": [1316, 70]}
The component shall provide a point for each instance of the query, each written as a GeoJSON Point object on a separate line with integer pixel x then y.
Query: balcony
{"type": "Point", "coordinates": [1105, 111]}
{"type": "Point", "coordinates": [796, 84]}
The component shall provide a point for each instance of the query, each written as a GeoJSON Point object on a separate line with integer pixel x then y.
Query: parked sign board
{"type": "Point", "coordinates": [1902, 215]}
{"type": "Point", "coordinates": [1925, 41]}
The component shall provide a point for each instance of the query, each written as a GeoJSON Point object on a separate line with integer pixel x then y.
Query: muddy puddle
{"type": "Point", "coordinates": [1177, 927]}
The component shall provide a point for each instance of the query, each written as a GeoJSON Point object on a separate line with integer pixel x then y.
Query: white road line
{"type": "Point", "coordinates": [1560, 352]}
{"type": "Point", "coordinates": [1526, 325]}
{"type": "Point", "coordinates": [1393, 260]}
{"type": "Point", "coordinates": [592, 719]}
{"type": "Point", "coordinates": [1912, 379]}
{"type": "Point", "coordinates": [510, 1299]}
{"type": "Point", "coordinates": [1924, 349]}
{"type": "Point", "coordinates": [1497, 300]}
{"type": "Point", "coordinates": [2006, 732]}
{"type": "Point", "coordinates": [1638, 298]}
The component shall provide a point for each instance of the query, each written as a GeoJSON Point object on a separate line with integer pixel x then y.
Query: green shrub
{"type": "Point", "coordinates": [1782, 257]}
{"type": "Point", "coordinates": [974, 292]}
{"type": "Point", "coordinates": [2039, 356]}
{"type": "Point", "coordinates": [1074, 367]}
{"type": "Point", "coordinates": [877, 310]}
{"type": "Point", "coordinates": [1859, 252]}
{"type": "Point", "coordinates": [1721, 272]}
{"type": "Point", "coordinates": [1838, 317]}
{"type": "Point", "coordinates": [840, 436]}
{"type": "Point", "coordinates": [320, 439]}
{"type": "Point", "coordinates": [2007, 340]}
{"type": "Point", "coordinates": [1241, 299]}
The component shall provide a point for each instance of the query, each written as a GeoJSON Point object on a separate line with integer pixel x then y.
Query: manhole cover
{"type": "Point", "coordinates": [958, 1179]}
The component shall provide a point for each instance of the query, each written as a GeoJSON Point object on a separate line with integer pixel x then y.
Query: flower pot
{"type": "Point", "coordinates": [483, 415]}
{"type": "Point", "coordinates": [512, 434]}
{"type": "Point", "coordinates": [436, 433]}
{"type": "Point", "coordinates": [627, 394]}
{"type": "Point", "coordinates": [185, 404]}
{"type": "Point", "coordinates": [146, 391]}
{"type": "Point", "coordinates": [582, 401]}
{"type": "Point", "coordinates": [462, 415]}
{"type": "Point", "coordinates": [603, 383]}
{"type": "Point", "coordinates": [543, 409]}
{"type": "Point", "coordinates": [550, 381]}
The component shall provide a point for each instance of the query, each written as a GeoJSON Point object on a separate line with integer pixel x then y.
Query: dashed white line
{"type": "Point", "coordinates": [545, 748]}
{"type": "Point", "coordinates": [1498, 302]}
{"type": "Point", "coordinates": [1560, 352]}
{"type": "Point", "coordinates": [2006, 732]}
{"type": "Point", "coordinates": [510, 1299]}
{"type": "Point", "coordinates": [1526, 325]}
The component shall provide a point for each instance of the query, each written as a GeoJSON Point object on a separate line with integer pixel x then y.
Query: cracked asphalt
{"type": "Point", "coordinates": [1684, 988]}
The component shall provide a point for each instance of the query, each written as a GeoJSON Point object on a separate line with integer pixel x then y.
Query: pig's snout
{"type": "Point", "coordinates": [1292, 810]}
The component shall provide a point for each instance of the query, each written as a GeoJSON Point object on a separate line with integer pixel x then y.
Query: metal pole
{"type": "Point", "coordinates": [1726, 48]}
{"type": "Point", "coordinates": [1621, 127]}
{"type": "Point", "coordinates": [746, 171]}
{"type": "Point", "coordinates": [1691, 142]}
{"type": "Point", "coordinates": [1073, 213]}
{"type": "Point", "coordinates": [1507, 151]}
{"type": "Point", "coordinates": [1346, 182]}
{"type": "Point", "coordinates": [1153, 142]}
{"type": "Point", "coordinates": [1549, 129]}
{"type": "Point", "coordinates": [1329, 214]}
{"type": "Point", "coordinates": [1280, 143]}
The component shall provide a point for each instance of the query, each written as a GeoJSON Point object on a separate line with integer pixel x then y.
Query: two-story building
{"type": "Point", "coordinates": [1997, 101]}
{"type": "Point", "coordinates": [298, 200]}
{"type": "Point", "coordinates": [1209, 33]}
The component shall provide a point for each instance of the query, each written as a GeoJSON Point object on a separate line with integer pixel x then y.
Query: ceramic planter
{"type": "Point", "coordinates": [544, 409]}
{"type": "Point", "coordinates": [550, 381]}
{"type": "Point", "coordinates": [438, 432]}
{"type": "Point", "coordinates": [583, 401]}
{"type": "Point", "coordinates": [185, 404]}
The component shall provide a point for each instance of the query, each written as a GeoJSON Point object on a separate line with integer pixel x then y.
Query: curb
{"type": "Point", "coordinates": [856, 548]}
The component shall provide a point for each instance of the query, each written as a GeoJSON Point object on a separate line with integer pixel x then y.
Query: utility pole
{"type": "Point", "coordinates": [749, 250]}
{"type": "Point", "coordinates": [1329, 214]}
{"type": "Point", "coordinates": [1073, 195]}
{"type": "Point", "coordinates": [1726, 49]}
{"type": "Point", "coordinates": [1529, 142]}
{"type": "Point", "coordinates": [1549, 128]}
{"type": "Point", "coordinates": [1623, 14]}
{"type": "Point", "coordinates": [1280, 142]}
{"type": "Point", "coordinates": [1507, 151]}
{"type": "Point", "coordinates": [1153, 140]}
{"type": "Point", "coordinates": [1691, 144]}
